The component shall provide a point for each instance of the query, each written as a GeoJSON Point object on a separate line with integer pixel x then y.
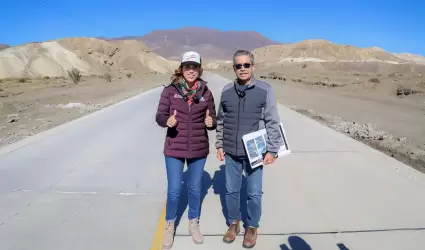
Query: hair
{"type": "Point", "coordinates": [243, 52]}
{"type": "Point", "coordinates": [177, 76]}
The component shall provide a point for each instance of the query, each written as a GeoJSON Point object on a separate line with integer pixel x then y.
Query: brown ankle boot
{"type": "Point", "coordinates": [250, 237]}
{"type": "Point", "coordinates": [231, 233]}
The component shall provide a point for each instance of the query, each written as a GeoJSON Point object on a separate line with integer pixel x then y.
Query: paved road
{"type": "Point", "coordinates": [87, 186]}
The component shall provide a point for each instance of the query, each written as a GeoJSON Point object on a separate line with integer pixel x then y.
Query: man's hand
{"type": "Point", "coordinates": [220, 154]}
{"type": "Point", "coordinates": [171, 122]}
{"type": "Point", "coordinates": [208, 119]}
{"type": "Point", "coordinates": [269, 159]}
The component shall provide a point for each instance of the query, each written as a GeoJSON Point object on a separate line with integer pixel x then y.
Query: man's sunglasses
{"type": "Point", "coordinates": [245, 65]}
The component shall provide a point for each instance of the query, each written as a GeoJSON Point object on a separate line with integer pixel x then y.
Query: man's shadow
{"type": "Point", "coordinates": [219, 186]}
{"type": "Point", "coordinates": [296, 243]}
{"type": "Point", "coordinates": [184, 202]}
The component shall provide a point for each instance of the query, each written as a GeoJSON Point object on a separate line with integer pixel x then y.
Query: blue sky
{"type": "Point", "coordinates": [396, 26]}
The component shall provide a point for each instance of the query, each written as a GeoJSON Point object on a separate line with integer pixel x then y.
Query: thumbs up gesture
{"type": "Point", "coordinates": [171, 122]}
{"type": "Point", "coordinates": [208, 119]}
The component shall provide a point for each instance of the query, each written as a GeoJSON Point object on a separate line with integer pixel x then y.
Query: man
{"type": "Point", "coordinates": [246, 105]}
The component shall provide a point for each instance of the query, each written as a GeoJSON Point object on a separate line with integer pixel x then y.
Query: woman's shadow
{"type": "Point", "coordinates": [184, 202]}
{"type": "Point", "coordinates": [219, 186]}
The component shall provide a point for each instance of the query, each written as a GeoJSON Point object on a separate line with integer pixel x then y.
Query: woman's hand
{"type": "Point", "coordinates": [171, 122]}
{"type": "Point", "coordinates": [208, 119]}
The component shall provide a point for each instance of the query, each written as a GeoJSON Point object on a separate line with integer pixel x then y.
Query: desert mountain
{"type": "Point", "coordinates": [323, 55]}
{"type": "Point", "coordinates": [91, 56]}
{"type": "Point", "coordinates": [210, 43]}
{"type": "Point", "coordinates": [3, 46]}
{"type": "Point", "coordinates": [322, 51]}
{"type": "Point", "coordinates": [411, 57]}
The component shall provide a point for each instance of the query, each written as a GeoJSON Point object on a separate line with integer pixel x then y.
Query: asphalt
{"type": "Point", "coordinates": [99, 183]}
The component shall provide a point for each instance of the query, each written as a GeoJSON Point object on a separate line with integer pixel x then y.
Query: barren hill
{"type": "Point", "coordinates": [91, 56]}
{"type": "Point", "coordinates": [323, 55]}
{"type": "Point", "coordinates": [322, 51]}
{"type": "Point", "coordinates": [211, 43]}
{"type": "Point", "coordinates": [3, 46]}
{"type": "Point", "coordinates": [411, 57]}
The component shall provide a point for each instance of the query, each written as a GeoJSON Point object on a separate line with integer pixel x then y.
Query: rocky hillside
{"type": "Point", "coordinates": [322, 51]}
{"type": "Point", "coordinates": [210, 43]}
{"type": "Point", "coordinates": [3, 46]}
{"type": "Point", "coordinates": [91, 56]}
{"type": "Point", "coordinates": [411, 57]}
{"type": "Point", "coordinates": [322, 55]}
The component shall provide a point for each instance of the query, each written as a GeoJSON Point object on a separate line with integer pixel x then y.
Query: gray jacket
{"type": "Point", "coordinates": [240, 115]}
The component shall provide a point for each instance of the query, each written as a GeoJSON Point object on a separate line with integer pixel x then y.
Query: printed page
{"type": "Point", "coordinates": [256, 146]}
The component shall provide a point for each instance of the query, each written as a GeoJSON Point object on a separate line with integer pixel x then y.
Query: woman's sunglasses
{"type": "Point", "coordinates": [245, 65]}
{"type": "Point", "coordinates": [191, 66]}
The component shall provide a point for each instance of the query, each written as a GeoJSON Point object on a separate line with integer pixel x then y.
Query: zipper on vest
{"type": "Point", "coordinates": [189, 128]}
{"type": "Point", "coordinates": [237, 126]}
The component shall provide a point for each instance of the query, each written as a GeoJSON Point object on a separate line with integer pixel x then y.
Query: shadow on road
{"type": "Point", "coordinates": [219, 186]}
{"type": "Point", "coordinates": [183, 203]}
{"type": "Point", "coordinates": [298, 243]}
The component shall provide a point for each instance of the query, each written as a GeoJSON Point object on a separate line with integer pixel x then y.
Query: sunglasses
{"type": "Point", "coordinates": [245, 65]}
{"type": "Point", "coordinates": [191, 66]}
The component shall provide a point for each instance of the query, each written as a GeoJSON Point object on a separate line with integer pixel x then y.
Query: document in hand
{"type": "Point", "coordinates": [256, 146]}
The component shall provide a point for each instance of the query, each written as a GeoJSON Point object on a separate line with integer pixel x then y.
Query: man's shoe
{"type": "Point", "coordinates": [197, 236]}
{"type": "Point", "coordinates": [231, 233]}
{"type": "Point", "coordinates": [250, 237]}
{"type": "Point", "coordinates": [168, 235]}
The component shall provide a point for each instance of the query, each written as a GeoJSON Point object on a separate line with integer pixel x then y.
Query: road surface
{"type": "Point", "coordinates": [99, 183]}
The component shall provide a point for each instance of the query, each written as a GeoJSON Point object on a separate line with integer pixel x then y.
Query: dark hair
{"type": "Point", "coordinates": [243, 52]}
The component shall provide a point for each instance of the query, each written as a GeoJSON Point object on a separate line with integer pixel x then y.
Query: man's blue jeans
{"type": "Point", "coordinates": [234, 167]}
{"type": "Point", "coordinates": [175, 168]}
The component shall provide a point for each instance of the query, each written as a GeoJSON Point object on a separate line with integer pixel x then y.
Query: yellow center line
{"type": "Point", "coordinates": [159, 234]}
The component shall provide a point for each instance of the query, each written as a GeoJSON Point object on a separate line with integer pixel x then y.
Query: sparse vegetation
{"type": "Point", "coordinates": [274, 76]}
{"type": "Point", "coordinates": [374, 80]}
{"type": "Point", "coordinates": [108, 76]}
{"type": "Point", "coordinates": [22, 80]}
{"type": "Point", "coordinates": [129, 74]}
{"type": "Point", "coordinates": [405, 91]}
{"type": "Point", "coordinates": [327, 84]}
{"type": "Point", "coordinates": [75, 75]}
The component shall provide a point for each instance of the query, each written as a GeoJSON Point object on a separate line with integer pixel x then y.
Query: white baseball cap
{"type": "Point", "coordinates": [191, 57]}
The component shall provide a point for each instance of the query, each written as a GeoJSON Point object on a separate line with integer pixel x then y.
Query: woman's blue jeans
{"type": "Point", "coordinates": [195, 171]}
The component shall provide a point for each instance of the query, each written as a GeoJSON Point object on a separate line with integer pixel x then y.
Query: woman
{"type": "Point", "coordinates": [186, 108]}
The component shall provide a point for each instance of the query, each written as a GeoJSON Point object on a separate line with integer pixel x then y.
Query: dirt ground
{"type": "Point", "coordinates": [385, 112]}
{"type": "Point", "coordinates": [30, 106]}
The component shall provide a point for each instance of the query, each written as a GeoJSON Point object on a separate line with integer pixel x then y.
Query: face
{"type": "Point", "coordinates": [191, 72]}
{"type": "Point", "coordinates": [243, 67]}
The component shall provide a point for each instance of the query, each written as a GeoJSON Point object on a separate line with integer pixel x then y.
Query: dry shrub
{"type": "Point", "coordinates": [75, 75]}
{"type": "Point", "coordinates": [108, 76]}
{"type": "Point", "coordinates": [327, 84]}
{"type": "Point", "coordinates": [406, 91]}
{"type": "Point", "coordinates": [24, 79]}
{"type": "Point", "coordinates": [374, 80]}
